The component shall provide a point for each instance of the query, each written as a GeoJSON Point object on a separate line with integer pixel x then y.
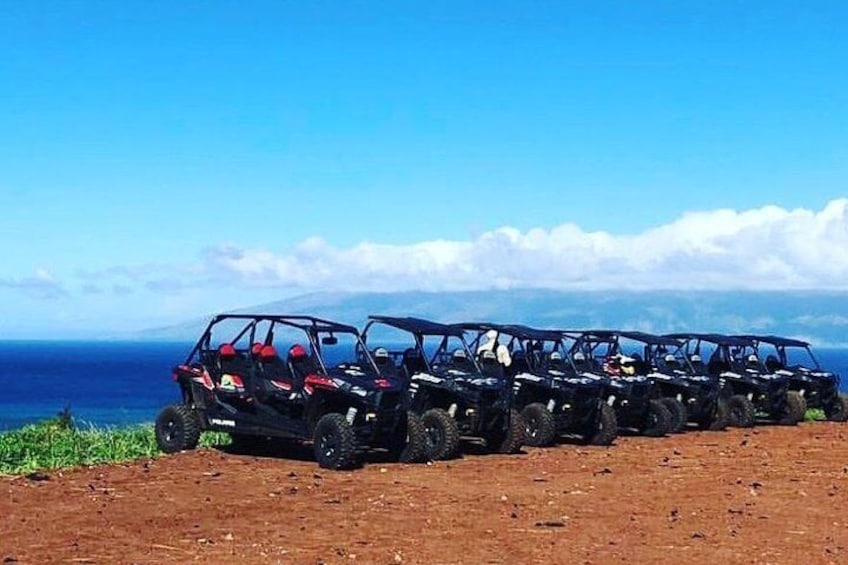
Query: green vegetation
{"type": "Point", "coordinates": [57, 443]}
{"type": "Point", "coordinates": [814, 414]}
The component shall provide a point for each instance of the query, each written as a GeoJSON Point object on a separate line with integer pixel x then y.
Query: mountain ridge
{"type": "Point", "coordinates": [818, 316]}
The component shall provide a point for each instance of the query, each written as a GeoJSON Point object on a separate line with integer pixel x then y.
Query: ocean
{"type": "Point", "coordinates": [114, 384]}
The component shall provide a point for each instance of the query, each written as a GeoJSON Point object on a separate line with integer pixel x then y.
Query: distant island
{"type": "Point", "coordinates": [818, 316]}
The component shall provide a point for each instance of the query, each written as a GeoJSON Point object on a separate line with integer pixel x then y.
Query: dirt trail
{"type": "Point", "coordinates": [767, 495]}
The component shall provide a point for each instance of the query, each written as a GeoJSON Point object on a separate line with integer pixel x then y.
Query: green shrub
{"type": "Point", "coordinates": [813, 414]}
{"type": "Point", "coordinates": [57, 443]}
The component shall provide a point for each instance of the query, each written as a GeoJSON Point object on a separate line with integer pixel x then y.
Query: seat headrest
{"type": "Point", "coordinates": [256, 348]}
{"type": "Point", "coordinates": [267, 352]}
{"type": "Point", "coordinates": [487, 355]}
{"type": "Point", "coordinates": [670, 358]}
{"type": "Point", "coordinates": [381, 353]}
{"type": "Point", "coordinates": [695, 358]}
{"type": "Point", "coordinates": [556, 356]}
{"type": "Point", "coordinates": [459, 354]}
{"type": "Point", "coordinates": [579, 357]}
{"type": "Point", "coordinates": [297, 351]}
{"type": "Point", "coordinates": [227, 350]}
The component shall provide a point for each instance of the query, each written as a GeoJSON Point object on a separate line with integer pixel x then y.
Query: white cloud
{"type": "Point", "coordinates": [764, 248]}
{"type": "Point", "coordinates": [40, 285]}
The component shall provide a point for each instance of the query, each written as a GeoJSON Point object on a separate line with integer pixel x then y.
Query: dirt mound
{"type": "Point", "coordinates": [766, 495]}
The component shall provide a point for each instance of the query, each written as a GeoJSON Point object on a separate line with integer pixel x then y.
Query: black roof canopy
{"type": "Point", "coordinates": [305, 323]}
{"type": "Point", "coordinates": [515, 330]}
{"type": "Point", "coordinates": [777, 340]}
{"type": "Point", "coordinates": [419, 325]}
{"type": "Point", "coordinates": [717, 339]}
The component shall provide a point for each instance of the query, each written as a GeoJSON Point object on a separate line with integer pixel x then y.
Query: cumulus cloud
{"type": "Point", "coordinates": [40, 285]}
{"type": "Point", "coordinates": [768, 248]}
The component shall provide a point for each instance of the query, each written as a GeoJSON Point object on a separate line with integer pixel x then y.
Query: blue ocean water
{"type": "Point", "coordinates": [103, 383]}
{"type": "Point", "coordinates": [112, 384]}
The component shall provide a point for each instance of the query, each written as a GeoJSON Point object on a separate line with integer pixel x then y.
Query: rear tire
{"type": "Point", "coordinates": [678, 413]}
{"type": "Point", "coordinates": [334, 442]}
{"type": "Point", "coordinates": [508, 439]}
{"type": "Point", "coordinates": [442, 434]}
{"type": "Point", "coordinates": [540, 425]}
{"type": "Point", "coordinates": [657, 420]}
{"type": "Point", "coordinates": [411, 446]}
{"type": "Point", "coordinates": [838, 411]}
{"type": "Point", "coordinates": [740, 411]}
{"type": "Point", "coordinates": [177, 428]}
{"type": "Point", "coordinates": [606, 429]}
{"type": "Point", "coordinates": [794, 410]}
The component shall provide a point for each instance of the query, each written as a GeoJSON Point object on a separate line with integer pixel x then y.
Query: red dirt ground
{"type": "Point", "coordinates": [767, 495]}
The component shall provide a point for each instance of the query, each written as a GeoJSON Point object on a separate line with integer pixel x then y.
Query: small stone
{"type": "Point", "coordinates": [550, 524]}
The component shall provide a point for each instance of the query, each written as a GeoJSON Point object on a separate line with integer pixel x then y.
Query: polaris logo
{"type": "Point", "coordinates": [224, 423]}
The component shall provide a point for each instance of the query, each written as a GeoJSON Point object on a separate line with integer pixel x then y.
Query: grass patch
{"type": "Point", "coordinates": [814, 414]}
{"type": "Point", "coordinates": [57, 443]}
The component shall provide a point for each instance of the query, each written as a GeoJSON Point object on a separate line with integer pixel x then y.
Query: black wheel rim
{"type": "Point", "coordinates": [653, 419]}
{"type": "Point", "coordinates": [737, 414]}
{"type": "Point", "coordinates": [170, 431]}
{"type": "Point", "coordinates": [435, 437]}
{"type": "Point", "coordinates": [532, 427]}
{"type": "Point", "coordinates": [329, 445]}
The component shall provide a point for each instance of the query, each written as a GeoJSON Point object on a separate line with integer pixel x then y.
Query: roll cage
{"type": "Point", "coordinates": [730, 351]}
{"type": "Point", "coordinates": [781, 344]}
{"type": "Point", "coordinates": [530, 342]}
{"type": "Point", "coordinates": [317, 330]}
{"type": "Point", "coordinates": [420, 329]}
{"type": "Point", "coordinates": [654, 347]}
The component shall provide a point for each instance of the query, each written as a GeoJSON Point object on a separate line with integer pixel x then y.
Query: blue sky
{"type": "Point", "coordinates": [159, 161]}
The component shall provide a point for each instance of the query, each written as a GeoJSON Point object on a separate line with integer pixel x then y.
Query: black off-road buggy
{"type": "Point", "coordinates": [795, 359]}
{"type": "Point", "coordinates": [553, 398]}
{"type": "Point", "coordinates": [454, 395]}
{"type": "Point", "coordinates": [246, 388]}
{"type": "Point", "coordinates": [751, 390]}
{"type": "Point", "coordinates": [689, 397]}
{"type": "Point", "coordinates": [635, 398]}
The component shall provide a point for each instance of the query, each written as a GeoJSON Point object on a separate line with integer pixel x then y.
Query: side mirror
{"type": "Point", "coordinates": [329, 340]}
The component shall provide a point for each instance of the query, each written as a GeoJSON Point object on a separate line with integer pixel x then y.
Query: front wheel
{"type": "Point", "coordinates": [177, 428]}
{"type": "Point", "coordinates": [741, 411]}
{"type": "Point", "coordinates": [441, 434]}
{"type": "Point", "coordinates": [657, 420]}
{"type": "Point", "coordinates": [606, 430]}
{"type": "Point", "coordinates": [540, 425]}
{"type": "Point", "coordinates": [411, 445]}
{"type": "Point", "coordinates": [720, 417]}
{"type": "Point", "coordinates": [334, 442]}
{"type": "Point", "coordinates": [838, 410]}
{"type": "Point", "coordinates": [509, 437]}
{"type": "Point", "coordinates": [794, 410]}
{"type": "Point", "coordinates": [678, 414]}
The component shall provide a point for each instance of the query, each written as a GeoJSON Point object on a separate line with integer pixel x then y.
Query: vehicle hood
{"type": "Point", "coordinates": [354, 377]}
